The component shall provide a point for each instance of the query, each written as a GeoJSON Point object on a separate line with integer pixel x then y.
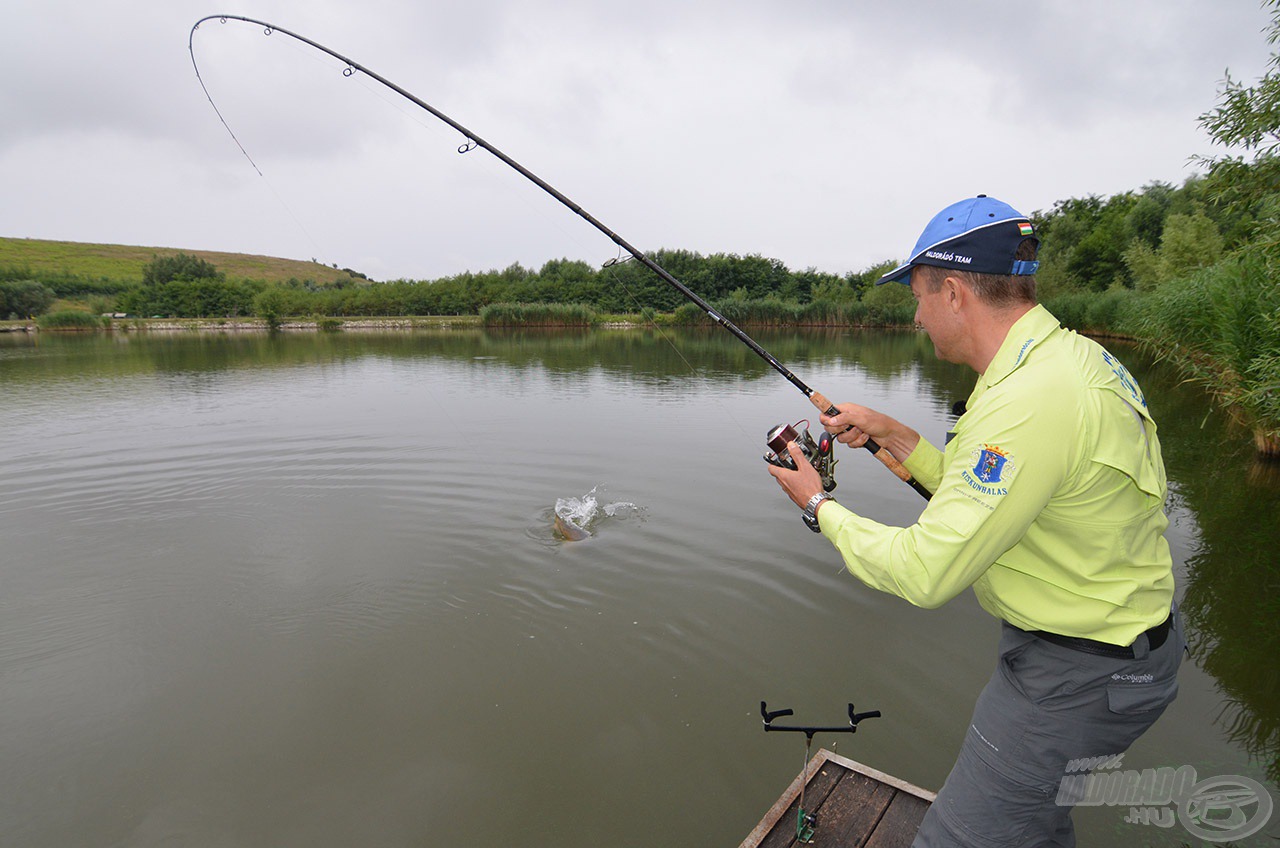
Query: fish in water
{"type": "Point", "coordinates": [573, 518]}
{"type": "Point", "coordinates": [569, 531]}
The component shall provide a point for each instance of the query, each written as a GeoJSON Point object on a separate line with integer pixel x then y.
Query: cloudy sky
{"type": "Point", "coordinates": [821, 133]}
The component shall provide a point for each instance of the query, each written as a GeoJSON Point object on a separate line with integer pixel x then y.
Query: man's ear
{"type": "Point", "coordinates": [954, 291]}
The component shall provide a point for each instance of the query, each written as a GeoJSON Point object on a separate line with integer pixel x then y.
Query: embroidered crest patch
{"type": "Point", "coordinates": [993, 469]}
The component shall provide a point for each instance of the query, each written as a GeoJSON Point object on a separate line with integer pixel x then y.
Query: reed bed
{"type": "Point", "coordinates": [71, 319]}
{"type": "Point", "coordinates": [1221, 327]}
{"type": "Point", "coordinates": [819, 313]}
{"type": "Point", "coordinates": [538, 315]}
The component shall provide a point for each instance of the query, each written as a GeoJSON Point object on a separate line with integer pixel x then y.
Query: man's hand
{"type": "Point", "coordinates": [865, 423]}
{"type": "Point", "coordinates": [801, 484]}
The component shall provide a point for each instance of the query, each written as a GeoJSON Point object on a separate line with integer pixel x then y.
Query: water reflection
{"type": "Point", "coordinates": [1232, 601]}
{"type": "Point", "coordinates": [657, 354]}
{"type": "Point", "coordinates": [331, 527]}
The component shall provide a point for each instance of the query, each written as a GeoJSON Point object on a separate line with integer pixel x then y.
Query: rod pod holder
{"type": "Point", "coordinates": [852, 727]}
{"type": "Point", "coordinates": [807, 820]}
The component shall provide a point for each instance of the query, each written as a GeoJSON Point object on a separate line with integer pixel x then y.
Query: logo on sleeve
{"type": "Point", "coordinates": [993, 469]}
{"type": "Point", "coordinates": [1125, 378]}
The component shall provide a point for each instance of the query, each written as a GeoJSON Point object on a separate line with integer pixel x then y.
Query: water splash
{"type": "Point", "coordinates": [577, 518]}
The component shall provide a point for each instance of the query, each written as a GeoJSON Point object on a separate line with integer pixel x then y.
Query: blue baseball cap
{"type": "Point", "coordinates": [980, 234]}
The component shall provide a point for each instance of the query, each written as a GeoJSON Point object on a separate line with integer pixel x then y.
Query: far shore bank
{"type": "Point", "coordinates": [415, 322]}
{"type": "Point", "coordinates": [216, 325]}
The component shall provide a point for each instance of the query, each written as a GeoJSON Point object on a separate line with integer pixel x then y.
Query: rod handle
{"type": "Point", "coordinates": [889, 460]}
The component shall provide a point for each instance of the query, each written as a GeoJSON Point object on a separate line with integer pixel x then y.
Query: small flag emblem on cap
{"type": "Point", "coordinates": [1024, 228]}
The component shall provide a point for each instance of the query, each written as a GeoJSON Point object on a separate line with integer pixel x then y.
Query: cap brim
{"type": "Point", "coordinates": [901, 274]}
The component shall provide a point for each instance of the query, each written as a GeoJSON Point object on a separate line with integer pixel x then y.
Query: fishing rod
{"type": "Point", "coordinates": [472, 141]}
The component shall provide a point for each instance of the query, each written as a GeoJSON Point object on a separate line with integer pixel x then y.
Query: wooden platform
{"type": "Point", "coordinates": [856, 806]}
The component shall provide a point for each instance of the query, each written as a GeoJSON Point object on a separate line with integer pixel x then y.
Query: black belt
{"type": "Point", "coordinates": [1155, 638]}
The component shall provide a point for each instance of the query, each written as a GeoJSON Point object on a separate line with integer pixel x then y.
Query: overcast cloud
{"type": "Point", "coordinates": [821, 133]}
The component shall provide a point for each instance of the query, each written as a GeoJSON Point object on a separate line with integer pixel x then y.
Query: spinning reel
{"type": "Point", "coordinates": [819, 453]}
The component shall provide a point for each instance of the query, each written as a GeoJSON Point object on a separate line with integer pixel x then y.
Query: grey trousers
{"type": "Point", "coordinates": [1045, 706]}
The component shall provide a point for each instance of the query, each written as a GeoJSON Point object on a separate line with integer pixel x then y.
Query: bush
{"type": "Point", "coordinates": [890, 305]}
{"type": "Point", "coordinates": [166, 269]}
{"type": "Point", "coordinates": [270, 306]}
{"type": "Point", "coordinates": [24, 299]}
{"type": "Point", "coordinates": [1071, 309]}
{"type": "Point", "coordinates": [689, 313]}
{"type": "Point", "coordinates": [206, 298]}
{"type": "Point", "coordinates": [70, 319]}
{"type": "Point", "coordinates": [1112, 312]}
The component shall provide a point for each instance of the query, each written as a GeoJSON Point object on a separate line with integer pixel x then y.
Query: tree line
{"type": "Point", "coordinates": [1132, 241]}
{"type": "Point", "coordinates": [1191, 268]}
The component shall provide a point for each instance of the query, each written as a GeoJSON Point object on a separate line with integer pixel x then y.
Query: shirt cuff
{"type": "Point", "coordinates": [830, 516]}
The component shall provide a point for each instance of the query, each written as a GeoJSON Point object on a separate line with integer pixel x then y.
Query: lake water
{"type": "Point", "coordinates": [303, 590]}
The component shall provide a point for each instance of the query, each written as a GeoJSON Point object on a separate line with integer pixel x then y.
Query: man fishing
{"type": "Point", "coordinates": [1048, 499]}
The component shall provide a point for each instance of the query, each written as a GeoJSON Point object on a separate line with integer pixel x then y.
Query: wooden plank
{"type": "Point", "coordinates": [851, 812]}
{"type": "Point", "coordinates": [898, 826]}
{"type": "Point", "coordinates": [823, 779]}
{"type": "Point", "coordinates": [780, 806]}
{"type": "Point", "coordinates": [871, 801]}
{"type": "Point", "coordinates": [895, 782]}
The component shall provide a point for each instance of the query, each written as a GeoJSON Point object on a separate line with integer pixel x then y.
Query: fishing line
{"type": "Point", "coordinates": [608, 266]}
{"type": "Point", "coordinates": [315, 245]}
{"type": "Point", "coordinates": [319, 251]}
{"type": "Point", "coordinates": [471, 141]}
{"type": "Point", "coordinates": [650, 322]}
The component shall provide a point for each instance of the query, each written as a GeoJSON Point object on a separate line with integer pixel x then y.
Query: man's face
{"type": "Point", "coordinates": [933, 314]}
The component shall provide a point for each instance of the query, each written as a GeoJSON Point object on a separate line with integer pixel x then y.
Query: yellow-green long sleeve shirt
{"type": "Point", "coordinates": [1048, 499]}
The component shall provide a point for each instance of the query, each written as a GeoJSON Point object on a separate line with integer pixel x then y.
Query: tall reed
{"type": "Point", "coordinates": [1221, 326]}
{"type": "Point", "coordinates": [538, 315]}
{"type": "Point", "coordinates": [772, 312]}
{"type": "Point", "coordinates": [70, 319]}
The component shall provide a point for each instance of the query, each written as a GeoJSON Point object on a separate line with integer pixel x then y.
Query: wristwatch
{"type": "Point", "coordinates": [810, 514]}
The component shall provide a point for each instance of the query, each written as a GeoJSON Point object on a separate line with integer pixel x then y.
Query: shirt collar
{"type": "Point", "coordinates": [1025, 334]}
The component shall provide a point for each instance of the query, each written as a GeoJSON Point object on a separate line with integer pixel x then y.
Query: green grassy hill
{"type": "Point", "coordinates": [124, 262]}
